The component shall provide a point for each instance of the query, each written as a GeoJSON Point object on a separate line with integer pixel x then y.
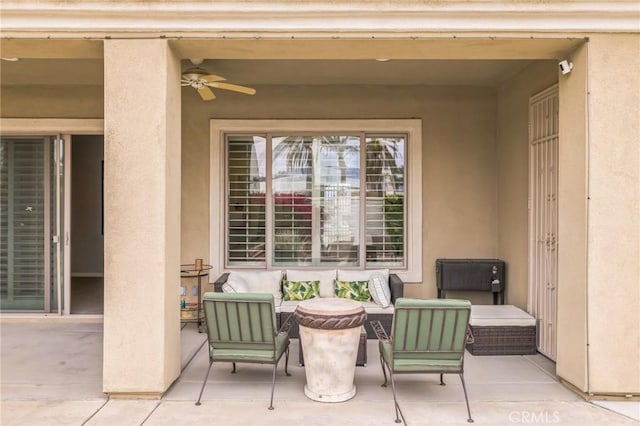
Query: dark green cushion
{"type": "Point", "coordinates": [421, 362]}
{"type": "Point", "coordinates": [240, 353]}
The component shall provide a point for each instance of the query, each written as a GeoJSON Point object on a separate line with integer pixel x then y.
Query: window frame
{"type": "Point", "coordinates": [411, 272]}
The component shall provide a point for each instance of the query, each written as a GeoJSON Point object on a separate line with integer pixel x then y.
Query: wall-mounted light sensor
{"type": "Point", "coordinates": [565, 66]}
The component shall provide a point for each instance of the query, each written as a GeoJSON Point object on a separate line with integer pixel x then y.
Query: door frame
{"type": "Point", "coordinates": [64, 128]}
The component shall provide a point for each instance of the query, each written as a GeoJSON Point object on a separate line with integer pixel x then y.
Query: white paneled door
{"type": "Point", "coordinates": [543, 216]}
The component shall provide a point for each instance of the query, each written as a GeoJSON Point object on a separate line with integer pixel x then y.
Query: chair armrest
{"type": "Point", "coordinates": [469, 336]}
{"type": "Point", "coordinates": [381, 334]}
{"type": "Point", "coordinates": [396, 286]}
{"type": "Point", "coordinates": [286, 326]}
{"type": "Point", "coordinates": [217, 284]}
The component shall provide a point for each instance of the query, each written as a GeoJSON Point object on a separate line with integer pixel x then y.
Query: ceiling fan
{"type": "Point", "coordinates": [202, 80]}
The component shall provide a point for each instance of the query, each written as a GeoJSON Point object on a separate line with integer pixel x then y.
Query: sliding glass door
{"type": "Point", "coordinates": [31, 223]}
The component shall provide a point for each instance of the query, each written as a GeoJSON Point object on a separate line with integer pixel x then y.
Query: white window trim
{"type": "Point", "coordinates": [413, 194]}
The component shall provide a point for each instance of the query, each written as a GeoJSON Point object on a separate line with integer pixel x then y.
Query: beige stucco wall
{"type": "Point", "coordinates": [512, 164]}
{"type": "Point", "coordinates": [459, 189]}
{"type": "Point", "coordinates": [599, 229]}
{"type": "Point", "coordinates": [142, 219]}
{"type": "Point", "coordinates": [614, 213]}
{"type": "Point", "coordinates": [571, 361]}
{"type": "Point", "coordinates": [66, 101]}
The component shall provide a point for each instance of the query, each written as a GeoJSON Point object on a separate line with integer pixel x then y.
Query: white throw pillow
{"type": "Point", "coordinates": [326, 279]}
{"type": "Point", "coordinates": [352, 275]}
{"type": "Point", "coordinates": [262, 282]}
{"type": "Point", "coordinates": [379, 289]}
{"type": "Point", "coordinates": [235, 284]}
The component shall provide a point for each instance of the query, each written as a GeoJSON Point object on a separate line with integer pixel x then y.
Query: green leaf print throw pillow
{"type": "Point", "coordinates": [354, 290]}
{"type": "Point", "coordinates": [300, 290]}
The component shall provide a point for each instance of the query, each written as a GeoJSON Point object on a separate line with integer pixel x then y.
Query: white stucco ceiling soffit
{"type": "Point", "coordinates": [201, 18]}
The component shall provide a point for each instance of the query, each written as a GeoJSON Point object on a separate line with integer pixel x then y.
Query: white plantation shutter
{"type": "Point", "coordinates": [22, 227]}
{"type": "Point", "coordinates": [385, 209]}
{"type": "Point", "coordinates": [246, 200]}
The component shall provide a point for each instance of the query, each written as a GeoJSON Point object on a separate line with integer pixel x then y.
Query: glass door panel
{"type": "Point", "coordinates": [315, 198]}
{"type": "Point", "coordinates": [22, 224]}
{"type": "Point", "coordinates": [29, 167]}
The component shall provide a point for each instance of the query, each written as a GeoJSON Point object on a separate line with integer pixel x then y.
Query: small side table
{"type": "Point", "coordinates": [361, 358]}
{"type": "Point", "coordinates": [330, 330]}
{"type": "Point", "coordinates": [189, 271]}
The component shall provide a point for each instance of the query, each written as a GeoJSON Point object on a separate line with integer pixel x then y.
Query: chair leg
{"type": "Point", "coordinates": [273, 385]}
{"type": "Point", "coordinates": [286, 362]}
{"type": "Point", "coordinates": [384, 373]}
{"type": "Point", "coordinates": [464, 388]}
{"type": "Point", "coordinates": [395, 400]}
{"type": "Point", "coordinates": [234, 368]}
{"type": "Point", "coordinates": [441, 381]}
{"type": "Point", "coordinates": [205, 381]}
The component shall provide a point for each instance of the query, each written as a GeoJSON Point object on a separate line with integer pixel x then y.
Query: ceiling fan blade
{"type": "Point", "coordinates": [211, 78]}
{"type": "Point", "coordinates": [206, 94]}
{"type": "Point", "coordinates": [233, 87]}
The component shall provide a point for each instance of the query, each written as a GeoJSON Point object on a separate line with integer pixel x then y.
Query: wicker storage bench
{"type": "Point", "coordinates": [502, 330]}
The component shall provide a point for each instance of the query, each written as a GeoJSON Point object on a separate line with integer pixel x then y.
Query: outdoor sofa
{"type": "Point", "coordinates": [380, 308]}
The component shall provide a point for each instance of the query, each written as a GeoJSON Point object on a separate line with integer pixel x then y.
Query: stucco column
{"type": "Point", "coordinates": [599, 224]}
{"type": "Point", "coordinates": [571, 358]}
{"type": "Point", "coordinates": [613, 237]}
{"type": "Point", "coordinates": [142, 217]}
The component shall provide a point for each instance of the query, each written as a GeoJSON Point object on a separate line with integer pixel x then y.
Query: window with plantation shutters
{"type": "Point", "coordinates": [296, 200]}
{"type": "Point", "coordinates": [317, 194]}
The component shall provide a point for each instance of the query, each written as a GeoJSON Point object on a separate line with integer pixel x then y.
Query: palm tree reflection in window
{"type": "Point", "coordinates": [385, 200]}
{"type": "Point", "coordinates": [316, 194]}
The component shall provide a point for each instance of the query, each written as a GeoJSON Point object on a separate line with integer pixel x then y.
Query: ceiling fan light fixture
{"type": "Point", "coordinates": [194, 73]}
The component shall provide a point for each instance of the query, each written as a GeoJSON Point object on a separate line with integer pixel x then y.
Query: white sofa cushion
{"type": "Point", "coordinates": [500, 315]}
{"type": "Point", "coordinates": [261, 282]}
{"type": "Point", "coordinates": [235, 284]}
{"type": "Point", "coordinates": [353, 275]}
{"type": "Point", "coordinates": [373, 308]}
{"type": "Point", "coordinates": [379, 289]}
{"type": "Point", "coordinates": [326, 278]}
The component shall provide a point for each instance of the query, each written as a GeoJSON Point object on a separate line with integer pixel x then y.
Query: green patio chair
{"type": "Point", "coordinates": [427, 336]}
{"type": "Point", "coordinates": [241, 327]}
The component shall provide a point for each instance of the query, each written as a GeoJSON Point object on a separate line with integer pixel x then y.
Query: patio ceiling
{"type": "Point", "coordinates": [52, 72]}
{"type": "Point", "coordinates": [437, 61]}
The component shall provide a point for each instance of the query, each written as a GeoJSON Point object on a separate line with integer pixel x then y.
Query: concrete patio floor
{"type": "Point", "coordinates": [51, 374]}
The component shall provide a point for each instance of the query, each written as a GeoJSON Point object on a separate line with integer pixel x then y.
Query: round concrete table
{"type": "Point", "coordinates": [329, 333]}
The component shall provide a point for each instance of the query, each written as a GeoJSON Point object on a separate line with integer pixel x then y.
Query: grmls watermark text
{"type": "Point", "coordinates": [534, 417]}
